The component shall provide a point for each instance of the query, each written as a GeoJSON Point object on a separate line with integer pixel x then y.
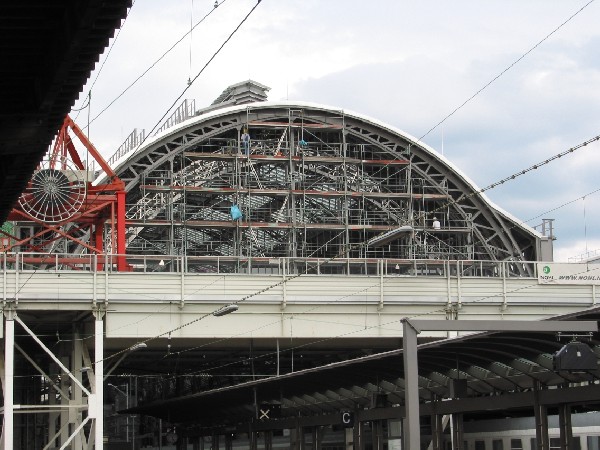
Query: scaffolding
{"type": "Point", "coordinates": [303, 182]}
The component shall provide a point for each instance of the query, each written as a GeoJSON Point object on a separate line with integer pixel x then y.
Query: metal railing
{"type": "Point", "coordinates": [134, 139]}
{"type": "Point", "coordinates": [266, 266]}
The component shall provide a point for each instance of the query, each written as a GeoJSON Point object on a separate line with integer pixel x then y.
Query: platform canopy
{"type": "Point", "coordinates": [483, 373]}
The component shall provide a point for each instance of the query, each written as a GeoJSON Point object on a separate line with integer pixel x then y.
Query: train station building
{"type": "Point", "coordinates": [262, 274]}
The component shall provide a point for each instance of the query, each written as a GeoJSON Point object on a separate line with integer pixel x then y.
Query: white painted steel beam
{"type": "Point", "coordinates": [9, 361]}
{"type": "Point", "coordinates": [96, 409]}
{"type": "Point", "coordinates": [75, 433]}
{"type": "Point", "coordinates": [53, 356]}
{"type": "Point", "coordinates": [41, 371]}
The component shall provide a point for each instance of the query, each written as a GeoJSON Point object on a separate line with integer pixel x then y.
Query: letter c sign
{"type": "Point", "coordinates": [347, 419]}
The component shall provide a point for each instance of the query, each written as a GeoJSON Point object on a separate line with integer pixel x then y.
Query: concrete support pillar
{"type": "Point", "coordinates": [457, 432]}
{"type": "Point", "coordinates": [541, 420]}
{"type": "Point", "coordinates": [348, 439]}
{"type": "Point", "coordinates": [565, 426]}
{"type": "Point", "coordinates": [377, 434]}
{"type": "Point", "coordinates": [358, 435]}
{"type": "Point", "coordinates": [9, 371]}
{"type": "Point", "coordinates": [268, 437]}
{"type": "Point", "coordinates": [437, 432]}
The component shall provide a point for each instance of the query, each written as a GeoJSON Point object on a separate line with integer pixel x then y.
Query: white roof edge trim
{"type": "Point", "coordinates": [274, 104]}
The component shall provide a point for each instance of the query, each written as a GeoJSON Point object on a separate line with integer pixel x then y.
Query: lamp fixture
{"type": "Point", "coordinates": [224, 310]}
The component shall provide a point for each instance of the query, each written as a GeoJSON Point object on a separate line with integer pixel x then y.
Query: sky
{"type": "Point", "coordinates": [407, 63]}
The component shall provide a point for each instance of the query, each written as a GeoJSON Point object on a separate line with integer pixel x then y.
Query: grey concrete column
{"type": "Point", "coordinates": [541, 420]}
{"type": "Point", "coordinates": [565, 427]}
{"type": "Point", "coordinates": [457, 431]}
{"type": "Point", "coordinates": [377, 434]}
{"type": "Point", "coordinates": [359, 443]}
{"type": "Point", "coordinates": [437, 432]}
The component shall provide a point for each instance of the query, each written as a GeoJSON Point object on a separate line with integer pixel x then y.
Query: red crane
{"type": "Point", "coordinates": [63, 203]}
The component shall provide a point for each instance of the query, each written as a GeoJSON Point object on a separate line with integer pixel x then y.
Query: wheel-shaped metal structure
{"type": "Point", "coordinates": [54, 195]}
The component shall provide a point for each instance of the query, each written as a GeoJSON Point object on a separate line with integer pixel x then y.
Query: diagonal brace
{"type": "Point", "coordinates": [56, 360]}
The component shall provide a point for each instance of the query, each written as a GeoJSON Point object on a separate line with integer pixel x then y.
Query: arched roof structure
{"type": "Point", "coordinates": [312, 182]}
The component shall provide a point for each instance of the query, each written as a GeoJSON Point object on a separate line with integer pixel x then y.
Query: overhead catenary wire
{"type": "Point", "coordinates": [518, 173]}
{"type": "Point", "coordinates": [595, 191]}
{"type": "Point", "coordinates": [198, 75]}
{"type": "Point", "coordinates": [341, 335]}
{"type": "Point", "coordinates": [160, 58]}
{"type": "Point", "coordinates": [510, 66]}
{"type": "Point", "coordinates": [89, 94]}
{"type": "Point", "coordinates": [489, 83]}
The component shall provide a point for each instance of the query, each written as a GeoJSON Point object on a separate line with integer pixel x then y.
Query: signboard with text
{"type": "Point", "coordinates": [563, 273]}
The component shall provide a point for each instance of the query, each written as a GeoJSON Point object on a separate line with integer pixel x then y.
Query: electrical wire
{"type": "Point", "coordinates": [595, 191]}
{"type": "Point", "coordinates": [489, 83]}
{"type": "Point", "coordinates": [160, 58]}
{"type": "Point", "coordinates": [455, 110]}
{"type": "Point", "coordinates": [516, 174]}
{"type": "Point", "coordinates": [191, 81]}
{"type": "Point", "coordinates": [198, 75]}
{"type": "Point", "coordinates": [89, 94]}
{"type": "Point", "coordinates": [189, 85]}
{"type": "Point", "coordinates": [358, 245]}
{"type": "Point", "coordinates": [358, 330]}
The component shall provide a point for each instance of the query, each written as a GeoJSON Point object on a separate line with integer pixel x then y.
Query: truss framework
{"type": "Point", "coordinates": [311, 182]}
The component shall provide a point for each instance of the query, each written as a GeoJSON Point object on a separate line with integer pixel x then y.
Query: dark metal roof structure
{"type": "Point", "coordinates": [499, 365]}
{"type": "Point", "coordinates": [48, 49]}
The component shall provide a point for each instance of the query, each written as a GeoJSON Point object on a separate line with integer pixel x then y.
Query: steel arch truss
{"type": "Point", "coordinates": [310, 183]}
